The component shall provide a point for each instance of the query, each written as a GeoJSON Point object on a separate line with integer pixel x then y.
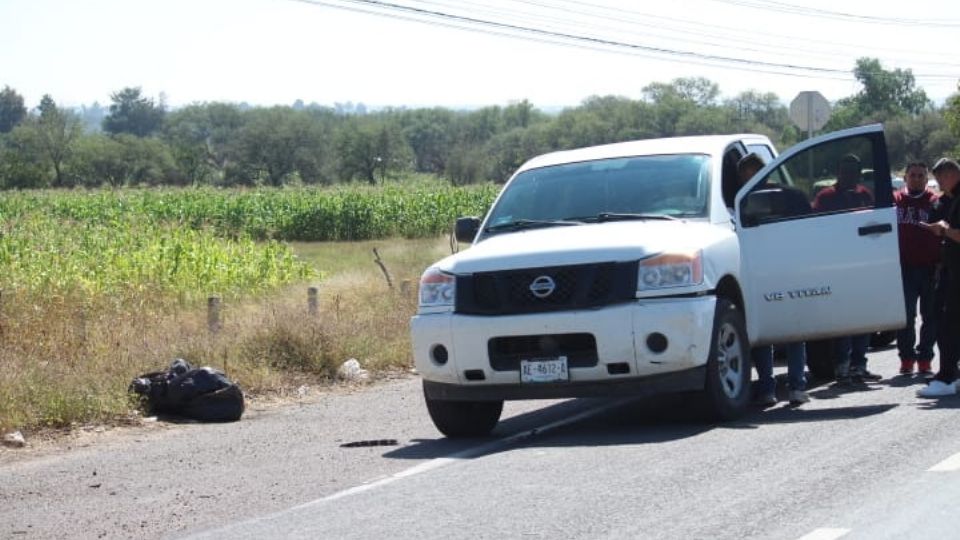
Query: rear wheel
{"type": "Point", "coordinates": [727, 388]}
{"type": "Point", "coordinates": [458, 419]}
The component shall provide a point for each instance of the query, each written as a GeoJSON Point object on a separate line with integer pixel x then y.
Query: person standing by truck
{"type": "Point", "coordinates": [919, 256]}
{"type": "Point", "coordinates": [947, 295]}
{"type": "Point", "coordinates": [762, 357]}
{"type": "Point", "coordinates": [851, 360]}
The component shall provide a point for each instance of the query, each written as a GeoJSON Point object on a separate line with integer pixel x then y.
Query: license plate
{"type": "Point", "coordinates": [544, 370]}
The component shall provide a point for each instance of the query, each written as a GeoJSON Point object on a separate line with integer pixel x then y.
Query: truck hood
{"type": "Point", "coordinates": [581, 244]}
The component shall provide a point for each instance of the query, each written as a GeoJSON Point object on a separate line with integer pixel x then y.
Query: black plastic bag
{"type": "Point", "coordinates": [183, 390]}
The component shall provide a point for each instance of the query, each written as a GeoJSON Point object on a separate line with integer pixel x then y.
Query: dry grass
{"type": "Point", "coordinates": [69, 360]}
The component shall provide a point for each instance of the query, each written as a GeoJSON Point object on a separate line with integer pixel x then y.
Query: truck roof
{"type": "Point", "coordinates": [703, 144]}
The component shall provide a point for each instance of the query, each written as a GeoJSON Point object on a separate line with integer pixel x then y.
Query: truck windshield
{"type": "Point", "coordinates": [643, 187]}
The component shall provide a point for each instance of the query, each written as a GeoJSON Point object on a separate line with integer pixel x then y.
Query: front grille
{"type": "Point", "coordinates": [575, 287]}
{"type": "Point", "coordinates": [506, 352]}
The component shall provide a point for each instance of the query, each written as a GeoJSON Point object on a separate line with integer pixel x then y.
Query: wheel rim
{"type": "Point", "coordinates": [730, 360]}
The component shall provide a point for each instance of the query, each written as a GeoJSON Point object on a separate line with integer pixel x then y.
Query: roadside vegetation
{"type": "Point", "coordinates": [99, 287]}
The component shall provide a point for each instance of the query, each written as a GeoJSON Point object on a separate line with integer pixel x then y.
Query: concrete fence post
{"type": "Point", "coordinates": [213, 314]}
{"type": "Point", "coordinates": [313, 302]}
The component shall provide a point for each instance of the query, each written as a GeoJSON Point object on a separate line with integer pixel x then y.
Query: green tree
{"type": "Point", "coordinates": [510, 149]}
{"type": "Point", "coordinates": [884, 95]}
{"type": "Point", "coordinates": [50, 137]}
{"type": "Point", "coordinates": [887, 93]}
{"type": "Point", "coordinates": [952, 114]}
{"type": "Point", "coordinates": [521, 115]}
{"type": "Point", "coordinates": [132, 113]}
{"type": "Point", "coordinates": [21, 166]}
{"type": "Point", "coordinates": [924, 136]}
{"type": "Point", "coordinates": [696, 90]}
{"type": "Point", "coordinates": [202, 138]}
{"type": "Point", "coordinates": [279, 145]}
{"type": "Point", "coordinates": [370, 147]}
{"type": "Point", "coordinates": [12, 111]}
{"type": "Point", "coordinates": [758, 111]}
{"type": "Point", "coordinates": [99, 160]}
{"type": "Point", "coordinates": [123, 160]}
{"type": "Point", "coordinates": [429, 133]}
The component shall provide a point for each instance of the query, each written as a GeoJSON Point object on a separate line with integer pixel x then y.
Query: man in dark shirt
{"type": "Point", "coordinates": [946, 225]}
{"type": "Point", "coordinates": [766, 390]}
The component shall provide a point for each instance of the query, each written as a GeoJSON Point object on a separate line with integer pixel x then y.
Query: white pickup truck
{"type": "Point", "coordinates": [643, 267]}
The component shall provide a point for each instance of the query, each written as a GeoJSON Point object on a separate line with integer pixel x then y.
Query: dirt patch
{"type": "Point", "coordinates": [44, 443]}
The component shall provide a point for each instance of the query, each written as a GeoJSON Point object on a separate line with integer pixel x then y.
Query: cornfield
{"type": "Point", "coordinates": [305, 214]}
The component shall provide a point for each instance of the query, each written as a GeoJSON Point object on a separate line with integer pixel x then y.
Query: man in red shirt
{"type": "Point", "coordinates": [919, 256]}
{"type": "Point", "coordinates": [848, 193]}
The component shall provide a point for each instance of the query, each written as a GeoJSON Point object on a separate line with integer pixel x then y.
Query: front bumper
{"type": "Point", "coordinates": [621, 333]}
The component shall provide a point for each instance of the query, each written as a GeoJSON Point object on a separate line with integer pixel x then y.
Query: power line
{"type": "Point", "coordinates": [560, 37]}
{"type": "Point", "coordinates": [771, 5]}
{"type": "Point", "coordinates": [597, 41]}
{"type": "Point", "coordinates": [731, 33]}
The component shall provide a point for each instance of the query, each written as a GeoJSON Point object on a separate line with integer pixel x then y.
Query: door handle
{"type": "Point", "coordinates": [882, 228]}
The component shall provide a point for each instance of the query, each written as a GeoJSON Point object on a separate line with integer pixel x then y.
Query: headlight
{"type": "Point", "coordinates": [670, 270]}
{"type": "Point", "coordinates": [437, 288]}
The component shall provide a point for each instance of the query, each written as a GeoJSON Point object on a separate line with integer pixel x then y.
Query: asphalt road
{"type": "Point", "coordinates": [876, 462]}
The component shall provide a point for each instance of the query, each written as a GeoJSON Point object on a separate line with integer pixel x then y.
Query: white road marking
{"type": "Point", "coordinates": [432, 464]}
{"type": "Point", "coordinates": [465, 454]}
{"type": "Point", "coordinates": [825, 534]}
{"type": "Point", "coordinates": [952, 463]}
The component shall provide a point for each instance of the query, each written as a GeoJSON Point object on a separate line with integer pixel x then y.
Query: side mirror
{"type": "Point", "coordinates": [466, 229]}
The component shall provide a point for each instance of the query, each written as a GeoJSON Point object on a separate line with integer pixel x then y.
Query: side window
{"type": "Point", "coordinates": [730, 182]}
{"type": "Point", "coordinates": [839, 175]}
{"type": "Point", "coordinates": [766, 153]}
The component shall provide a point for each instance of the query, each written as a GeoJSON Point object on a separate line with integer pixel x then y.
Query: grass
{"type": "Point", "coordinates": [67, 358]}
{"type": "Point", "coordinates": [98, 287]}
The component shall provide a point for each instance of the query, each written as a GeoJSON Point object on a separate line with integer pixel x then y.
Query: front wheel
{"type": "Point", "coordinates": [460, 419]}
{"type": "Point", "coordinates": [727, 388]}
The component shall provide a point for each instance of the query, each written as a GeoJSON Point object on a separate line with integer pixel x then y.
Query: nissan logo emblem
{"type": "Point", "coordinates": [543, 286]}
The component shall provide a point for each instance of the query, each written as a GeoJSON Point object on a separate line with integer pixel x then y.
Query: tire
{"type": "Point", "coordinates": [879, 340]}
{"type": "Point", "coordinates": [461, 419]}
{"type": "Point", "coordinates": [727, 388]}
{"type": "Point", "coordinates": [820, 359]}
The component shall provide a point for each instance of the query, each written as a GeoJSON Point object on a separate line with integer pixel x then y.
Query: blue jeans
{"type": "Point", "coordinates": [918, 284]}
{"type": "Point", "coordinates": [796, 363]}
{"type": "Point", "coordinates": [851, 353]}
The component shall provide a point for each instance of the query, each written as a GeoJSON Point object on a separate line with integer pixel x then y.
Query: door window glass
{"type": "Point", "coordinates": [839, 175]}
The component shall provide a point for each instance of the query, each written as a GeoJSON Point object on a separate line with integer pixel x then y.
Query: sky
{"type": "Point", "coordinates": [462, 53]}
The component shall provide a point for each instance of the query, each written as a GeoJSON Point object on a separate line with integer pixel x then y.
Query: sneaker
{"type": "Point", "coordinates": [906, 366]}
{"type": "Point", "coordinates": [798, 397]}
{"type": "Point", "coordinates": [766, 399]}
{"type": "Point", "coordinates": [862, 374]}
{"type": "Point", "coordinates": [924, 367]}
{"type": "Point", "coordinates": [938, 388]}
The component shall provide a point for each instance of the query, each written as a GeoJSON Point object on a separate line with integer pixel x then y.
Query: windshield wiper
{"type": "Point", "coordinates": [615, 216]}
{"type": "Point", "coordinates": [520, 224]}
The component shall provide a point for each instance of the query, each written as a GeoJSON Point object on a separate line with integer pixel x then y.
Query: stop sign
{"type": "Point", "coordinates": [810, 110]}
